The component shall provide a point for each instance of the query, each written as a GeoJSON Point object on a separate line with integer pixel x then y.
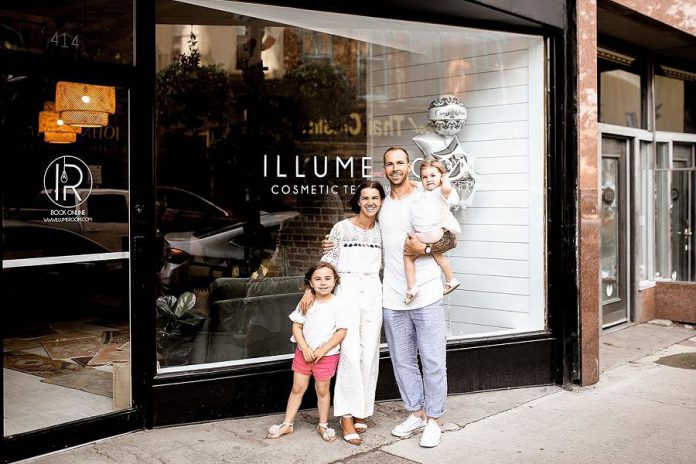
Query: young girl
{"type": "Point", "coordinates": [431, 216]}
{"type": "Point", "coordinates": [318, 334]}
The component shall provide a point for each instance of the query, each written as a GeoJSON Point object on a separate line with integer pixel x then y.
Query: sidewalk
{"type": "Point", "coordinates": [643, 410]}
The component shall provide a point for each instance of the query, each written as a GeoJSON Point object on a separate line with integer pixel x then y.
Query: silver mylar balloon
{"type": "Point", "coordinates": [447, 116]}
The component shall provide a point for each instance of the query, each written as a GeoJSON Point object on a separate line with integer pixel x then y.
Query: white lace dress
{"type": "Point", "coordinates": [357, 255]}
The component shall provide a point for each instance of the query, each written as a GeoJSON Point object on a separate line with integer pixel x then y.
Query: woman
{"type": "Point", "coordinates": [357, 255]}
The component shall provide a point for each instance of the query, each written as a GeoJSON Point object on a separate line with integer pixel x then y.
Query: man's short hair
{"type": "Point", "coordinates": [384, 156]}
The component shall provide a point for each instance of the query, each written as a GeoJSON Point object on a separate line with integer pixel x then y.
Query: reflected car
{"type": "Point", "coordinates": [182, 210]}
{"type": "Point", "coordinates": [194, 259]}
{"type": "Point", "coordinates": [50, 274]}
{"type": "Point", "coordinates": [108, 209]}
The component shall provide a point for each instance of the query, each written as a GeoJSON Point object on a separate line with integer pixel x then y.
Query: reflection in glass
{"type": "Point", "coordinates": [663, 203]}
{"type": "Point", "coordinates": [609, 216]}
{"type": "Point", "coordinates": [675, 212]}
{"type": "Point", "coordinates": [65, 276]}
{"type": "Point", "coordinates": [265, 126]}
{"type": "Point", "coordinates": [93, 30]}
{"type": "Point", "coordinates": [645, 224]}
{"type": "Point", "coordinates": [683, 190]}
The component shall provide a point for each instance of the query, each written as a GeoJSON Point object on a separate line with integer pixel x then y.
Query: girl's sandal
{"type": "Point", "coordinates": [277, 431]}
{"type": "Point", "coordinates": [352, 438]}
{"type": "Point", "coordinates": [326, 432]}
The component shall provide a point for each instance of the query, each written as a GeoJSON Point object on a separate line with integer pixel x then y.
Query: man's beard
{"type": "Point", "coordinates": [403, 178]}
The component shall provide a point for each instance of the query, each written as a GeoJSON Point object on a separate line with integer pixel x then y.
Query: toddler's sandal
{"type": "Point", "coordinates": [450, 286]}
{"type": "Point", "coordinates": [276, 431]}
{"type": "Point", "coordinates": [411, 294]}
{"type": "Point", "coordinates": [326, 433]}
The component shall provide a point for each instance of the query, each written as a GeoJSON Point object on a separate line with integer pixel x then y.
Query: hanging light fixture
{"type": "Point", "coordinates": [60, 137]}
{"type": "Point", "coordinates": [54, 129]}
{"type": "Point", "coordinates": [85, 105]}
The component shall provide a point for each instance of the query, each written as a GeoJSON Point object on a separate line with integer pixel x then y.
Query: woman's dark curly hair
{"type": "Point", "coordinates": [368, 184]}
{"type": "Point", "coordinates": [319, 265]}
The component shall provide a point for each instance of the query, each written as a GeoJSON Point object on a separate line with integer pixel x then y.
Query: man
{"type": "Point", "coordinates": [419, 327]}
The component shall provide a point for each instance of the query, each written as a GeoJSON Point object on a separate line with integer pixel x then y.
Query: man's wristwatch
{"type": "Point", "coordinates": [428, 248]}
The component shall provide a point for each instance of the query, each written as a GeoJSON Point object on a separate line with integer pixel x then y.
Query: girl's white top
{"type": "Point", "coordinates": [431, 212]}
{"type": "Point", "coordinates": [355, 251]}
{"type": "Point", "coordinates": [321, 322]}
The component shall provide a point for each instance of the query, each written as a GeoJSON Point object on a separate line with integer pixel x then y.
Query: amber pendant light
{"type": "Point", "coordinates": [85, 105]}
{"type": "Point", "coordinates": [54, 129]}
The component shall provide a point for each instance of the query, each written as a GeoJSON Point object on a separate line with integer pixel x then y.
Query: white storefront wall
{"type": "Point", "coordinates": [500, 258]}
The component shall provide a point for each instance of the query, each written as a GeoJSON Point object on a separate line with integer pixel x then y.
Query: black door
{"type": "Point", "coordinates": [66, 228]}
{"type": "Point", "coordinates": [614, 239]}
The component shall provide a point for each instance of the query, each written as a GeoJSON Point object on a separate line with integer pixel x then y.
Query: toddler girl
{"type": "Point", "coordinates": [431, 216]}
{"type": "Point", "coordinates": [318, 334]}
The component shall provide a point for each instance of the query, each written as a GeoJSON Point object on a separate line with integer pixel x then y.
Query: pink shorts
{"type": "Point", "coordinates": [322, 370]}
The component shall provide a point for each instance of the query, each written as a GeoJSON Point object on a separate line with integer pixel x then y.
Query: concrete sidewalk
{"type": "Point", "coordinates": [643, 410]}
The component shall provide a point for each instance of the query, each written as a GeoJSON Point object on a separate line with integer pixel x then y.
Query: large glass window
{"type": "Point", "coordinates": [267, 124]}
{"type": "Point", "coordinates": [65, 260]}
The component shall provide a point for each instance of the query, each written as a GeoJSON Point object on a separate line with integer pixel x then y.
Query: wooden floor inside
{"type": "Point", "coordinates": [30, 404]}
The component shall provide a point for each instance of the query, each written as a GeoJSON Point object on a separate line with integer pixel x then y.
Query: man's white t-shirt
{"type": "Point", "coordinates": [395, 225]}
{"type": "Point", "coordinates": [321, 322]}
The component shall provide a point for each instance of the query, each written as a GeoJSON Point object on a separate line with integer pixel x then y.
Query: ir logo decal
{"type": "Point", "coordinates": [67, 181]}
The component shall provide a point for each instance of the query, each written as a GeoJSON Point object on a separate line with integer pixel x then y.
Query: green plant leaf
{"type": "Point", "coordinates": [165, 305]}
{"type": "Point", "coordinates": [185, 302]}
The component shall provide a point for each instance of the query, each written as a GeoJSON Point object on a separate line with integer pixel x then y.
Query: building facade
{"type": "Point", "coordinates": [151, 257]}
{"type": "Point", "coordinates": [636, 176]}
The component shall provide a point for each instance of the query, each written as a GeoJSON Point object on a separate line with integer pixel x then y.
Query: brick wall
{"type": "Point", "coordinates": [299, 238]}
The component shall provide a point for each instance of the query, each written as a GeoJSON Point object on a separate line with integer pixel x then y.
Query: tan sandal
{"type": "Point", "coordinates": [411, 294]}
{"type": "Point", "coordinates": [352, 438]}
{"type": "Point", "coordinates": [276, 431]}
{"type": "Point", "coordinates": [325, 432]}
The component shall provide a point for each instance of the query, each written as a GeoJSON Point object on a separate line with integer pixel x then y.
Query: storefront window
{"type": "Point", "coordinates": [65, 260]}
{"type": "Point", "coordinates": [267, 124]}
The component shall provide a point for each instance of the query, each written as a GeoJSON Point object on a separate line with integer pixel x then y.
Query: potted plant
{"type": "Point", "coordinates": [177, 324]}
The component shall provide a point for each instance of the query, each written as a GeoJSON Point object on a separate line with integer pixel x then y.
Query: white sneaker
{"type": "Point", "coordinates": [431, 434]}
{"type": "Point", "coordinates": [410, 425]}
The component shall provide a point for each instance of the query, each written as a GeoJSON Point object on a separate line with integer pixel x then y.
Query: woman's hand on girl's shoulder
{"type": "Point", "coordinates": [306, 301]}
{"type": "Point", "coordinates": [327, 244]}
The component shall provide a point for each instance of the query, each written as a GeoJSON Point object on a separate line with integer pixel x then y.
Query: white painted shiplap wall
{"type": "Point", "coordinates": [500, 259]}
